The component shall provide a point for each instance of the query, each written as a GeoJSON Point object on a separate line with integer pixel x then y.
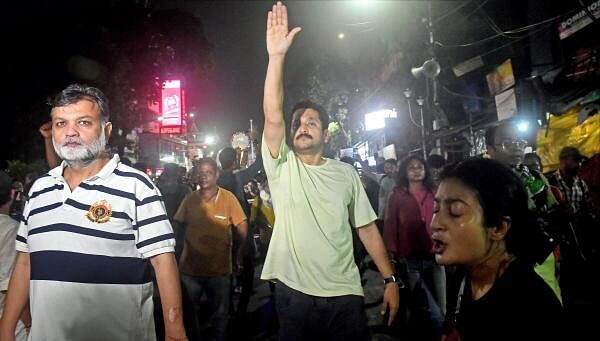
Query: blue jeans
{"type": "Point", "coordinates": [218, 292]}
{"type": "Point", "coordinates": [430, 277]}
{"type": "Point", "coordinates": [306, 317]}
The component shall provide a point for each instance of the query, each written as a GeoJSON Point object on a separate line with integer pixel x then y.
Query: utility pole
{"type": "Point", "coordinates": [420, 102]}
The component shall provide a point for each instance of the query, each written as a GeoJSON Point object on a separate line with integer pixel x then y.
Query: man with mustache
{"type": "Point", "coordinates": [318, 292]}
{"type": "Point", "coordinates": [504, 145]}
{"type": "Point", "coordinates": [90, 230]}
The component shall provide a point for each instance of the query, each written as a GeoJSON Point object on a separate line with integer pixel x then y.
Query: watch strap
{"type": "Point", "coordinates": [393, 279]}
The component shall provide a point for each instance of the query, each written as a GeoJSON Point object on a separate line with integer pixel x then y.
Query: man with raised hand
{"type": "Point", "coordinates": [318, 293]}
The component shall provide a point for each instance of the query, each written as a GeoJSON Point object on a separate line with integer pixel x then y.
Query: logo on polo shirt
{"type": "Point", "coordinates": [100, 212]}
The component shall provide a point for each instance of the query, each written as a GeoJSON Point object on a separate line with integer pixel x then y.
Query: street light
{"type": "Point", "coordinates": [523, 126]}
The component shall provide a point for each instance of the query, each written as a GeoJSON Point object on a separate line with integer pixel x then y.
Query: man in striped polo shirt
{"type": "Point", "coordinates": [89, 231]}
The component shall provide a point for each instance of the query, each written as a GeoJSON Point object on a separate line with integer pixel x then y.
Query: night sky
{"type": "Point", "coordinates": [41, 37]}
{"type": "Point", "coordinates": [45, 35]}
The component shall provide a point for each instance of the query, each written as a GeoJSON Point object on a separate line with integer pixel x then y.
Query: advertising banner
{"type": "Point", "coordinates": [171, 104]}
{"type": "Point", "coordinates": [579, 20]}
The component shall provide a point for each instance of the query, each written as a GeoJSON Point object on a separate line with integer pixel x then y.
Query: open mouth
{"type": "Point", "coordinates": [438, 246]}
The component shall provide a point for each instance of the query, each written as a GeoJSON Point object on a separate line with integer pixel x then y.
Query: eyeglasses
{"type": "Point", "coordinates": [513, 144]}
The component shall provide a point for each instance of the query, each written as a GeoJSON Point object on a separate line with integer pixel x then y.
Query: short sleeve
{"type": "Point", "coordinates": [237, 214]}
{"type": "Point", "coordinates": [23, 231]}
{"type": "Point", "coordinates": [182, 210]}
{"type": "Point", "coordinates": [270, 164]}
{"type": "Point", "coordinates": [154, 231]}
{"type": "Point", "coordinates": [360, 211]}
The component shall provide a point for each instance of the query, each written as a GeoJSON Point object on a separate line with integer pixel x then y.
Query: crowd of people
{"type": "Point", "coordinates": [487, 248]}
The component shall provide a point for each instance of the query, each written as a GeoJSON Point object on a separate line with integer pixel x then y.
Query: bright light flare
{"type": "Point", "coordinates": [363, 2]}
{"type": "Point", "coordinates": [376, 120]}
{"type": "Point", "coordinates": [523, 126]}
{"type": "Point", "coordinates": [341, 36]}
{"type": "Point", "coordinates": [209, 139]}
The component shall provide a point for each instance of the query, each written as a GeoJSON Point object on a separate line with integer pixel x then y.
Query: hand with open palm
{"type": "Point", "coordinates": [279, 39]}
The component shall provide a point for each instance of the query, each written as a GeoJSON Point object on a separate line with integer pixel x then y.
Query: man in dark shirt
{"type": "Point", "coordinates": [235, 182]}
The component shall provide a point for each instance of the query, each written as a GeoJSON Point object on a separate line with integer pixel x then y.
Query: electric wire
{"type": "Point", "coordinates": [545, 22]}
{"type": "Point", "coordinates": [450, 12]}
{"type": "Point", "coordinates": [451, 92]}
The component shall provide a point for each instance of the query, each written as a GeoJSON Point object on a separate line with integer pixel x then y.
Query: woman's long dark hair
{"type": "Point", "coordinates": [502, 197]}
{"type": "Point", "coordinates": [402, 176]}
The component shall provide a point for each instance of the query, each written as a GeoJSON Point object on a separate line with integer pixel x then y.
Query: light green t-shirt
{"type": "Point", "coordinates": [311, 247]}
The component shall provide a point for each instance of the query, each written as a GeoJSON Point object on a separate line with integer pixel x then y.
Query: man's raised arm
{"type": "Point", "coordinates": [279, 40]}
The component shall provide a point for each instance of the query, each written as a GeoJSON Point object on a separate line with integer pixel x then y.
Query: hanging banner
{"type": "Point", "coordinates": [567, 129]}
{"type": "Point", "coordinates": [506, 104]}
{"type": "Point", "coordinates": [579, 20]}
{"type": "Point", "coordinates": [501, 78]}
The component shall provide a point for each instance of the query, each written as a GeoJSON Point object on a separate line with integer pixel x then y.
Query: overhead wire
{"type": "Point", "coordinates": [513, 41]}
{"type": "Point", "coordinates": [545, 22]}
{"type": "Point", "coordinates": [494, 26]}
{"type": "Point", "coordinates": [465, 96]}
{"type": "Point", "coordinates": [450, 12]}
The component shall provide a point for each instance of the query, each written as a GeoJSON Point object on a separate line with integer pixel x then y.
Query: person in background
{"type": "Point", "coordinates": [262, 218]}
{"type": "Point", "coordinates": [8, 234]}
{"type": "Point", "coordinates": [533, 162]}
{"type": "Point", "coordinates": [436, 162]}
{"type": "Point", "coordinates": [262, 215]}
{"type": "Point", "coordinates": [387, 183]}
{"type": "Point", "coordinates": [590, 173]}
{"type": "Point", "coordinates": [210, 218]}
{"type": "Point", "coordinates": [579, 247]}
{"type": "Point", "coordinates": [18, 202]}
{"type": "Point", "coordinates": [51, 158]}
{"type": "Point", "coordinates": [370, 185]}
{"type": "Point", "coordinates": [318, 292]}
{"type": "Point", "coordinates": [91, 228]}
{"type": "Point", "coordinates": [407, 235]}
{"type": "Point", "coordinates": [173, 192]}
{"type": "Point", "coordinates": [504, 145]}
{"type": "Point", "coordinates": [482, 224]}
{"type": "Point", "coordinates": [235, 182]}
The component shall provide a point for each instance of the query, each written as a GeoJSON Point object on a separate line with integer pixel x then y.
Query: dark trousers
{"type": "Point", "coordinates": [218, 291]}
{"type": "Point", "coordinates": [306, 317]}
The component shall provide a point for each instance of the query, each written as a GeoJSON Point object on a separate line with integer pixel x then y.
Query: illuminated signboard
{"type": "Point", "coordinates": [376, 120]}
{"type": "Point", "coordinates": [171, 130]}
{"type": "Point", "coordinates": [171, 108]}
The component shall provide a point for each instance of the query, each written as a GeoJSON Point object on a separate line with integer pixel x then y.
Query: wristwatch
{"type": "Point", "coordinates": [393, 279]}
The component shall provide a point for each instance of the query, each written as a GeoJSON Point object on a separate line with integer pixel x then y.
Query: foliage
{"type": "Point", "coordinates": [329, 82]}
{"type": "Point", "coordinates": [145, 47]}
{"type": "Point", "coordinates": [18, 169]}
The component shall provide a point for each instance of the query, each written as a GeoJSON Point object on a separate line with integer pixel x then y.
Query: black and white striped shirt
{"type": "Point", "coordinates": [89, 251]}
